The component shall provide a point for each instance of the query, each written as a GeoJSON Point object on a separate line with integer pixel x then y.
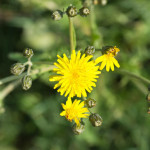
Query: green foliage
{"type": "Point", "coordinates": [32, 120]}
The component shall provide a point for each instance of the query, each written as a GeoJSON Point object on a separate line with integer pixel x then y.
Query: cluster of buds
{"type": "Point", "coordinates": [18, 68]}
{"type": "Point", "coordinates": [148, 100]}
{"type": "Point", "coordinates": [71, 11]}
{"type": "Point", "coordinates": [95, 119]}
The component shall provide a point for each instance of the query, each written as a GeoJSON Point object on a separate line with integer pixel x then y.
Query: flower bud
{"type": "Point", "coordinates": [78, 129]}
{"type": "Point", "coordinates": [148, 110]}
{"type": "Point", "coordinates": [71, 11]}
{"type": "Point", "coordinates": [90, 50]}
{"type": "Point", "coordinates": [26, 82]}
{"type": "Point", "coordinates": [95, 120]}
{"type": "Point", "coordinates": [84, 11]}
{"type": "Point", "coordinates": [28, 52]}
{"type": "Point", "coordinates": [17, 69]}
{"type": "Point", "coordinates": [90, 102]}
{"type": "Point", "coordinates": [57, 15]}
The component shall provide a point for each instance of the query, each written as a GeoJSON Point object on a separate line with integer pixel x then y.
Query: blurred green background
{"type": "Point", "coordinates": [31, 120]}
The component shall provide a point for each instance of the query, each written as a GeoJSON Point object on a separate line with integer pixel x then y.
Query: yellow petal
{"type": "Point", "coordinates": [116, 62]}
{"type": "Point", "coordinates": [103, 64]}
{"type": "Point", "coordinates": [63, 113]}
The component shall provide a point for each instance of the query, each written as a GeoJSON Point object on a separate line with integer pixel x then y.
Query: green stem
{"type": "Point", "coordinates": [124, 72]}
{"type": "Point", "coordinates": [33, 72]}
{"type": "Point", "coordinates": [71, 33]}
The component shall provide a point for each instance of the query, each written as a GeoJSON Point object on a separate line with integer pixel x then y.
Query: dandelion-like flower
{"type": "Point", "coordinates": [74, 111]}
{"type": "Point", "coordinates": [108, 59]}
{"type": "Point", "coordinates": [75, 76]}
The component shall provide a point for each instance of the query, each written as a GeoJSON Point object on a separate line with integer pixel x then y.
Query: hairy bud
{"type": "Point", "coordinates": [17, 69]}
{"type": "Point", "coordinates": [90, 50]}
{"type": "Point", "coordinates": [84, 11]}
{"type": "Point", "coordinates": [95, 120]}
{"type": "Point", "coordinates": [26, 82]}
{"type": "Point", "coordinates": [71, 11]}
{"type": "Point", "coordinates": [57, 15]}
{"type": "Point", "coordinates": [28, 52]}
{"type": "Point", "coordinates": [78, 129]}
{"type": "Point", "coordinates": [90, 102]}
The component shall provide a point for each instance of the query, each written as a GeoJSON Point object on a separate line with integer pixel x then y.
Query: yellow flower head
{"type": "Point", "coordinates": [75, 76]}
{"type": "Point", "coordinates": [108, 59]}
{"type": "Point", "coordinates": [74, 111]}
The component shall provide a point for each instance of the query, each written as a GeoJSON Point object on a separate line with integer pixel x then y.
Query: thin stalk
{"type": "Point", "coordinates": [39, 70]}
{"type": "Point", "coordinates": [143, 79]}
{"type": "Point", "coordinates": [71, 33]}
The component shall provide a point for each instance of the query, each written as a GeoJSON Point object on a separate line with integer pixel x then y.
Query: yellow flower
{"type": "Point", "coordinates": [108, 59]}
{"type": "Point", "coordinates": [75, 76]}
{"type": "Point", "coordinates": [74, 111]}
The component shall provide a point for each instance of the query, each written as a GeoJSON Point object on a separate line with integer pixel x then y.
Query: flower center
{"type": "Point", "coordinates": [75, 75]}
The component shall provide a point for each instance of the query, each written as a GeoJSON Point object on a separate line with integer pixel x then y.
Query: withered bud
{"type": "Point", "coordinates": [90, 102]}
{"type": "Point", "coordinates": [17, 69]}
{"type": "Point", "coordinates": [71, 11]}
{"type": "Point", "coordinates": [26, 82]}
{"type": "Point", "coordinates": [95, 120]}
{"type": "Point", "coordinates": [90, 50]}
{"type": "Point", "coordinates": [78, 129]}
{"type": "Point", "coordinates": [57, 15]}
{"type": "Point", "coordinates": [84, 11]}
{"type": "Point", "coordinates": [28, 52]}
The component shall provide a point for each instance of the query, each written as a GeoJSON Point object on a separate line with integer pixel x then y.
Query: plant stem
{"type": "Point", "coordinates": [33, 72]}
{"type": "Point", "coordinates": [124, 72]}
{"type": "Point", "coordinates": [71, 33]}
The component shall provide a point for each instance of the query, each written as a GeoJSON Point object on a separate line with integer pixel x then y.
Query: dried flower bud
{"type": "Point", "coordinates": [90, 50]}
{"type": "Point", "coordinates": [95, 120]}
{"type": "Point", "coordinates": [17, 69]}
{"type": "Point", "coordinates": [28, 52]}
{"type": "Point", "coordinates": [78, 129]}
{"type": "Point", "coordinates": [148, 110]}
{"type": "Point", "coordinates": [57, 15]}
{"type": "Point", "coordinates": [84, 11]}
{"type": "Point", "coordinates": [90, 102]}
{"type": "Point", "coordinates": [26, 82]}
{"type": "Point", "coordinates": [71, 11]}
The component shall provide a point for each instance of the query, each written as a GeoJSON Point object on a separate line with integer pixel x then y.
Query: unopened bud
{"type": "Point", "coordinates": [90, 50]}
{"type": "Point", "coordinates": [78, 129]}
{"type": "Point", "coordinates": [57, 15]}
{"type": "Point", "coordinates": [71, 11]}
{"type": "Point", "coordinates": [26, 82]}
{"type": "Point", "coordinates": [17, 69]}
{"type": "Point", "coordinates": [90, 102]}
{"type": "Point", "coordinates": [84, 11]}
{"type": "Point", "coordinates": [28, 52]}
{"type": "Point", "coordinates": [95, 120]}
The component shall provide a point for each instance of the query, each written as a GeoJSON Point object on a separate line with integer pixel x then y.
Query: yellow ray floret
{"type": "Point", "coordinates": [75, 76]}
{"type": "Point", "coordinates": [74, 111]}
{"type": "Point", "coordinates": [108, 60]}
